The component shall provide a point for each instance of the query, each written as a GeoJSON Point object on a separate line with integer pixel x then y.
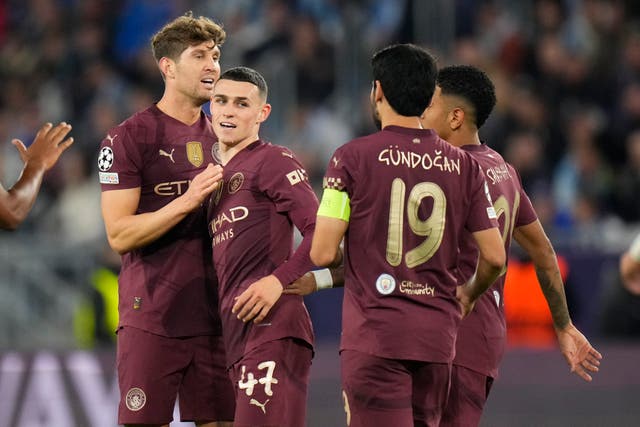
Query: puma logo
{"type": "Point", "coordinates": [111, 138]}
{"type": "Point", "coordinates": [335, 162]}
{"type": "Point", "coordinates": [260, 405]}
{"type": "Point", "coordinates": [284, 153]}
{"type": "Point", "coordinates": [169, 155]}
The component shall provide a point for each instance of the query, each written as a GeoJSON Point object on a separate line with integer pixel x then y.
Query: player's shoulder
{"type": "Point", "coordinates": [270, 158]}
{"type": "Point", "coordinates": [273, 152]}
{"type": "Point", "coordinates": [127, 130]}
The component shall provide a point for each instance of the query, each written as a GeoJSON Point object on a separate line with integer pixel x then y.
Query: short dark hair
{"type": "Point", "coordinates": [172, 39]}
{"type": "Point", "coordinates": [249, 75]}
{"type": "Point", "coordinates": [407, 74]}
{"type": "Point", "coordinates": [471, 84]}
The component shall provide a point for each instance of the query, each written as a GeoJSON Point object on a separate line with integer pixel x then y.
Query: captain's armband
{"type": "Point", "coordinates": [335, 204]}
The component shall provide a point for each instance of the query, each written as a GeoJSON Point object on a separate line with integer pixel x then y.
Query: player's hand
{"type": "Point", "coordinates": [576, 349]}
{"type": "Point", "coordinates": [303, 286]}
{"type": "Point", "coordinates": [203, 184]}
{"type": "Point", "coordinates": [46, 148]}
{"type": "Point", "coordinates": [466, 303]}
{"type": "Point", "coordinates": [256, 301]}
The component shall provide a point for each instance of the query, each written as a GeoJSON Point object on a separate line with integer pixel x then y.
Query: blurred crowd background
{"type": "Point", "coordinates": [567, 74]}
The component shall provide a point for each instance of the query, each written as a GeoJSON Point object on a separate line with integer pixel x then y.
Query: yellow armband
{"type": "Point", "coordinates": [335, 204]}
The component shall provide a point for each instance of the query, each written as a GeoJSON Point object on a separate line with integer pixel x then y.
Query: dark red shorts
{"type": "Point", "coordinates": [469, 393]}
{"type": "Point", "coordinates": [271, 384]}
{"type": "Point", "coordinates": [153, 370]}
{"type": "Point", "coordinates": [381, 392]}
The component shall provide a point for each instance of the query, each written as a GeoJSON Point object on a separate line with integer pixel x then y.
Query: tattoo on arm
{"type": "Point", "coordinates": [553, 290]}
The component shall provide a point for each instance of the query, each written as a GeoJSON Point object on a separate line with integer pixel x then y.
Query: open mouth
{"type": "Point", "coordinates": [208, 82]}
{"type": "Point", "coordinates": [227, 125]}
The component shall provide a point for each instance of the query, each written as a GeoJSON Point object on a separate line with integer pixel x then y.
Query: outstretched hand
{"type": "Point", "coordinates": [47, 146]}
{"type": "Point", "coordinates": [578, 352]}
{"type": "Point", "coordinates": [256, 301]}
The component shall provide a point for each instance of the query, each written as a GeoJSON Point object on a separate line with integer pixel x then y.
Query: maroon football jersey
{"type": "Point", "coordinates": [169, 286]}
{"type": "Point", "coordinates": [266, 192]}
{"type": "Point", "coordinates": [482, 335]}
{"type": "Point", "coordinates": [412, 195]}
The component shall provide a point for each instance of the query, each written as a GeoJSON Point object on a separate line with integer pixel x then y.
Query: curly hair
{"type": "Point", "coordinates": [471, 84]}
{"type": "Point", "coordinates": [185, 31]}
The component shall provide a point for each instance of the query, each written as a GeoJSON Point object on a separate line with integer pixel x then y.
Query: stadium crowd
{"type": "Point", "coordinates": [567, 74]}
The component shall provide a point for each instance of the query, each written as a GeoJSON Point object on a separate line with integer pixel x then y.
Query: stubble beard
{"type": "Point", "coordinates": [375, 115]}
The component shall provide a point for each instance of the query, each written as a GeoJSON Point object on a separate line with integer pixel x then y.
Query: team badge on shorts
{"type": "Point", "coordinates": [135, 399]}
{"type": "Point", "coordinates": [195, 153]}
{"type": "Point", "coordinates": [385, 284]}
{"type": "Point", "coordinates": [105, 159]}
{"type": "Point", "coordinates": [235, 182]}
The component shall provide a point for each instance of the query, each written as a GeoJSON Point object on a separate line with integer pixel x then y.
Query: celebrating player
{"type": "Point", "coordinates": [402, 198]}
{"type": "Point", "coordinates": [268, 336]}
{"type": "Point", "coordinates": [156, 170]}
{"type": "Point", "coordinates": [463, 100]}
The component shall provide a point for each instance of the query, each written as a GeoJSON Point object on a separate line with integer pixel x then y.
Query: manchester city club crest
{"type": "Point", "coordinates": [235, 182]}
{"type": "Point", "coordinates": [385, 284]}
{"type": "Point", "coordinates": [195, 153]}
{"type": "Point", "coordinates": [135, 399]}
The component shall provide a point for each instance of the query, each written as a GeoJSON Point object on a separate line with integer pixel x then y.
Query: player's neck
{"type": "Point", "coordinates": [402, 121]}
{"type": "Point", "coordinates": [464, 138]}
{"type": "Point", "coordinates": [389, 117]}
{"type": "Point", "coordinates": [183, 110]}
{"type": "Point", "coordinates": [229, 150]}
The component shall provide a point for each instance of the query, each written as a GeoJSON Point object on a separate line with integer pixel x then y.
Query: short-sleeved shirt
{"type": "Point", "coordinates": [266, 192]}
{"type": "Point", "coordinates": [169, 286]}
{"type": "Point", "coordinates": [411, 195]}
{"type": "Point", "coordinates": [482, 335]}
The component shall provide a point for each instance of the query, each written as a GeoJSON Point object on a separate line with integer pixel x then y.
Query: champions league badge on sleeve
{"type": "Point", "coordinates": [385, 284]}
{"type": "Point", "coordinates": [105, 161]}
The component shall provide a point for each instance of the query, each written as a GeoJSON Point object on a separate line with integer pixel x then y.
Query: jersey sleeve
{"type": "Point", "coordinates": [338, 176]}
{"type": "Point", "coordinates": [285, 181]}
{"type": "Point", "coordinates": [119, 161]}
{"type": "Point", "coordinates": [482, 214]}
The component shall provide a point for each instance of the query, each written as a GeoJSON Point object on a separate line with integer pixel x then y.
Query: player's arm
{"type": "Point", "coordinates": [331, 225]}
{"type": "Point", "coordinates": [316, 280]}
{"type": "Point", "coordinates": [580, 355]}
{"type": "Point", "coordinates": [630, 267]}
{"type": "Point", "coordinates": [127, 230]}
{"type": "Point", "coordinates": [491, 262]}
{"type": "Point", "coordinates": [41, 155]}
{"type": "Point", "coordinates": [295, 197]}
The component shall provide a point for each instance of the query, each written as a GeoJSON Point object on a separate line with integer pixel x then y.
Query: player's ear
{"type": "Point", "coordinates": [264, 113]}
{"type": "Point", "coordinates": [376, 91]}
{"type": "Point", "coordinates": [167, 67]}
{"type": "Point", "coordinates": [456, 118]}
